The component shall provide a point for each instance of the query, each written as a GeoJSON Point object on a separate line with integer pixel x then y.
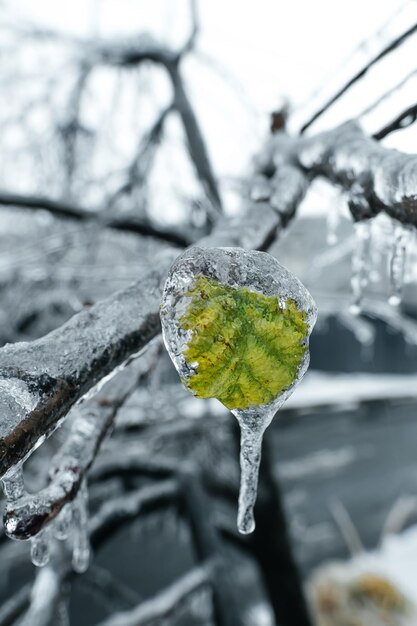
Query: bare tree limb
{"type": "Point", "coordinates": [167, 601]}
{"type": "Point", "coordinates": [403, 120]}
{"type": "Point", "coordinates": [44, 598]}
{"type": "Point", "coordinates": [132, 52]}
{"type": "Point", "coordinates": [195, 141]}
{"type": "Point", "coordinates": [114, 594]}
{"type": "Point", "coordinates": [120, 511]}
{"type": "Point", "coordinates": [112, 516]}
{"type": "Point", "coordinates": [382, 98]}
{"type": "Point", "coordinates": [62, 208]}
{"type": "Point", "coordinates": [141, 162]}
{"type": "Point", "coordinates": [70, 126]}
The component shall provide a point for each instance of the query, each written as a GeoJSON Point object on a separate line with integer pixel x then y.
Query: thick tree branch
{"type": "Point", "coordinates": [28, 515]}
{"type": "Point", "coordinates": [376, 178]}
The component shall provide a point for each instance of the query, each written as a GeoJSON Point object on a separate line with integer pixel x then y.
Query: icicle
{"type": "Point", "coordinates": [62, 524]}
{"type": "Point", "coordinates": [360, 261]}
{"type": "Point", "coordinates": [251, 434]}
{"type": "Point", "coordinates": [62, 613]}
{"type": "Point", "coordinates": [81, 540]}
{"type": "Point", "coordinates": [332, 223]}
{"type": "Point", "coordinates": [227, 314]}
{"type": "Point", "coordinates": [260, 189]}
{"type": "Point", "coordinates": [13, 483]}
{"type": "Point", "coordinates": [40, 548]}
{"type": "Point", "coordinates": [363, 330]}
{"type": "Point", "coordinates": [397, 264]}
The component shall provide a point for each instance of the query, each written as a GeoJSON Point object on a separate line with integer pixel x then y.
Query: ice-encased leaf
{"type": "Point", "coordinates": [236, 324]}
{"type": "Point", "coordinates": [248, 346]}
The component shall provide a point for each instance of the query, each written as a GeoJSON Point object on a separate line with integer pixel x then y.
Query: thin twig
{"type": "Point", "coordinates": [167, 601]}
{"type": "Point", "coordinates": [403, 120]}
{"type": "Point", "coordinates": [64, 209]}
{"type": "Point", "coordinates": [384, 52]}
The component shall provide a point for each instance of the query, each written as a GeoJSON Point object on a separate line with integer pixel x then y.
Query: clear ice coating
{"type": "Point", "coordinates": [13, 483]}
{"type": "Point", "coordinates": [397, 264]}
{"type": "Point", "coordinates": [81, 539]}
{"type": "Point", "coordinates": [256, 272]}
{"type": "Point", "coordinates": [40, 548]}
{"type": "Point", "coordinates": [360, 264]}
{"type": "Point", "coordinates": [332, 224]}
{"type": "Point", "coordinates": [62, 525]}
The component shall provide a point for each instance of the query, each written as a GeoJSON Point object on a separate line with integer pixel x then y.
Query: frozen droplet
{"type": "Point", "coordinates": [397, 264]}
{"type": "Point", "coordinates": [332, 223]}
{"type": "Point", "coordinates": [81, 539]}
{"type": "Point", "coordinates": [62, 524]}
{"type": "Point", "coordinates": [40, 548]}
{"type": "Point", "coordinates": [363, 330]}
{"type": "Point", "coordinates": [13, 483]}
{"type": "Point", "coordinates": [236, 324]}
{"type": "Point", "coordinates": [62, 614]}
{"type": "Point", "coordinates": [252, 429]}
{"type": "Point", "coordinates": [360, 264]}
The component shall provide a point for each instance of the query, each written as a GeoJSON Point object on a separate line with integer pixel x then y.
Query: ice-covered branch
{"type": "Point", "coordinates": [41, 380]}
{"type": "Point", "coordinates": [195, 141]}
{"type": "Point", "coordinates": [140, 165]}
{"type": "Point", "coordinates": [131, 52]}
{"type": "Point", "coordinates": [208, 549]}
{"type": "Point", "coordinates": [110, 517]}
{"type": "Point", "coordinates": [387, 49]}
{"type": "Point", "coordinates": [376, 178]}
{"type": "Point", "coordinates": [13, 608]}
{"type": "Point", "coordinates": [44, 599]}
{"type": "Point", "coordinates": [404, 119]}
{"type": "Point", "coordinates": [112, 591]}
{"type": "Point", "coordinates": [29, 514]}
{"type": "Point", "coordinates": [65, 209]}
{"type": "Point", "coordinates": [167, 601]}
{"type": "Point", "coordinates": [119, 511]}
{"type": "Point", "coordinates": [128, 54]}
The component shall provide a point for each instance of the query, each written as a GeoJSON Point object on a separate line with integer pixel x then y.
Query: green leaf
{"type": "Point", "coordinates": [248, 346]}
